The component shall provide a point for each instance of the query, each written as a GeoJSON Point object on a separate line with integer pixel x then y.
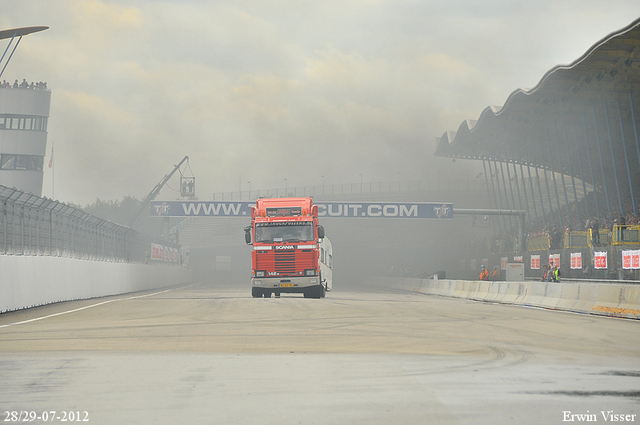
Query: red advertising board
{"type": "Point", "coordinates": [600, 260]}
{"type": "Point", "coordinates": [535, 262]}
{"type": "Point", "coordinates": [576, 260]}
{"type": "Point", "coordinates": [164, 253]}
{"type": "Point", "coordinates": [503, 263]}
{"type": "Point", "coordinates": [631, 260]}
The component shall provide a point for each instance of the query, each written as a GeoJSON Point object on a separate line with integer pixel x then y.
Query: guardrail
{"type": "Point", "coordinates": [31, 225]}
{"type": "Point", "coordinates": [538, 243]}
{"type": "Point", "coordinates": [625, 235]}
{"type": "Point", "coordinates": [576, 239]}
{"type": "Point", "coordinates": [619, 235]}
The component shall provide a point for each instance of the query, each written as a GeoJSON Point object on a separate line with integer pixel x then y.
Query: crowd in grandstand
{"type": "Point", "coordinates": [23, 85]}
{"type": "Point", "coordinates": [600, 225]}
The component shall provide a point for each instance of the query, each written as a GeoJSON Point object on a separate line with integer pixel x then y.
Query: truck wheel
{"type": "Point", "coordinates": [314, 292]}
{"type": "Point", "coordinates": [267, 294]}
{"type": "Point", "coordinates": [256, 292]}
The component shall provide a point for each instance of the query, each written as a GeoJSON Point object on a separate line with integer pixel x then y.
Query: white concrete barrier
{"type": "Point", "coordinates": [619, 300]}
{"type": "Point", "coordinates": [569, 296]}
{"type": "Point", "coordinates": [513, 291]}
{"type": "Point", "coordinates": [524, 292]}
{"type": "Point", "coordinates": [587, 294]}
{"type": "Point", "coordinates": [483, 290]}
{"type": "Point", "coordinates": [469, 289]}
{"type": "Point", "coordinates": [27, 281]}
{"type": "Point", "coordinates": [538, 292]}
{"type": "Point", "coordinates": [553, 295]}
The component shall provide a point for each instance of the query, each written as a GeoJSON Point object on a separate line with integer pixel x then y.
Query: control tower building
{"type": "Point", "coordinates": [24, 112]}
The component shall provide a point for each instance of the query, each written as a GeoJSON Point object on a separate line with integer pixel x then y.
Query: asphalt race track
{"type": "Point", "coordinates": [203, 354]}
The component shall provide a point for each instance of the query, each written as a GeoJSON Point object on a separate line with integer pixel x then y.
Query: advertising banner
{"type": "Point", "coordinates": [554, 260]}
{"type": "Point", "coordinates": [631, 260]}
{"type": "Point", "coordinates": [503, 263]}
{"type": "Point", "coordinates": [576, 260]}
{"type": "Point", "coordinates": [164, 253]}
{"type": "Point", "coordinates": [535, 262]}
{"type": "Point", "coordinates": [327, 209]}
{"type": "Point", "coordinates": [600, 260]}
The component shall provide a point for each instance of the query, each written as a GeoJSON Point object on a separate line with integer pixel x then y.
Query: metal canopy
{"type": "Point", "coordinates": [608, 73]}
{"type": "Point", "coordinates": [581, 120]}
{"type": "Point", "coordinates": [13, 34]}
{"type": "Point", "coordinates": [19, 32]}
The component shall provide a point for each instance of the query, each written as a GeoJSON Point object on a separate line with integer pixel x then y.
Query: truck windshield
{"type": "Point", "coordinates": [284, 232]}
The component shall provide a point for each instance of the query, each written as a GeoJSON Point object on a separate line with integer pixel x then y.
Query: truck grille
{"type": "Point", "coordinates": [285, 262]}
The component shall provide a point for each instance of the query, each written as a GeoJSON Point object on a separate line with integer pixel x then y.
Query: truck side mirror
{"type": "Point", "coordinates": [320, 232]}
{"type": "Point", "coordinates": [247, 235]}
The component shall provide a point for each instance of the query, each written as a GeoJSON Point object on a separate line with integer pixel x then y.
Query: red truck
{"type": "Point", "coordinates": [290, 251]}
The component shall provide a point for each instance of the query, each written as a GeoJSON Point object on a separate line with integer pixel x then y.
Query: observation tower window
{"type": "Point", "coordinates": [23, 122]}
{"type": "Point", "coordinates": [21, 162]}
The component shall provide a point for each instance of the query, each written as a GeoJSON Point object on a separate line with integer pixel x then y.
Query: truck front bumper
{"type": "Point", "coordinates": [285, 284]}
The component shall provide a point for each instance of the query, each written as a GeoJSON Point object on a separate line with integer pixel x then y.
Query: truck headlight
{"type": "Point", "coordinates": [257, 282]}
{"type": "Point", "coordinates": [261, 273]}
{"type": "Point", "coordinates": [310, 272]}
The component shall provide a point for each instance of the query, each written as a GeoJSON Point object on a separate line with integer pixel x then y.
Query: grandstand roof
{"type": "Point", "coordinates": [572, 112]}
{"type": "Point", "coordinates": [19, 32]}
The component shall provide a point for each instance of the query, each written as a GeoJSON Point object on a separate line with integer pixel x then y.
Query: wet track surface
{"type": "Point", "coordinates": [213, 355]}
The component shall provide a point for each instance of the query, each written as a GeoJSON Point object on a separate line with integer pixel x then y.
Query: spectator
{"type": "Point", "coordinates": [24, 85]}
{"type": "Point", "coordinates": [556, 274]}
{"type": "Point", "coordinates": [545, 271]}
{"type": "Point", "coordinates": [595, 232]}
{"type": "Point", "coordinates": [495, 274]}
{"type": "Point", "coordinates": [484, 274]}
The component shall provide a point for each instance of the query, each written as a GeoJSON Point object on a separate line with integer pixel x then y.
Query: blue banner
{"type": "Point", "coordinates": [200, 209]}
{"type": "Point", "coordinates": [436, 210]}
{"type": "Point", "coordinates": [385, 210]}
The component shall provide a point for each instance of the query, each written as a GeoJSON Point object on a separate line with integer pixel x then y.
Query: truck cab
{"type": "Point", "coordinates": [290, 251]}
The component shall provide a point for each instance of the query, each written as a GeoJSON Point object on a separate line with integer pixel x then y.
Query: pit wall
{"type": "Point", "coordinates": [608, 299]}
{"type": "Point", "coordinates": [27, 281]}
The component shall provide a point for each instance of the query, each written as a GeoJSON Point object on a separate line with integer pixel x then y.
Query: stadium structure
{"type": "Point", "coordinates": [568, 153]}
{"type": "Point", "coordinates": [24, 114]}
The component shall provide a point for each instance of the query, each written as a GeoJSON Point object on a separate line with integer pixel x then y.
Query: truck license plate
{"type": "Point", "coordinates": [286, 285]}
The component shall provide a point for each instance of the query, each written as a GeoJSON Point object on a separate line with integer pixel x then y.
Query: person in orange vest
{"type": "Point", "coordinates": [545, 272]}
{"type": "Point", "coordinates": [484, 274]}
{"type": "Point", "coordinates": [495, 274]}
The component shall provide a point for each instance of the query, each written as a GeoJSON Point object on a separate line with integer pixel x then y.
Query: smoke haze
{"type": "Point", "coordinates": [261, 92]}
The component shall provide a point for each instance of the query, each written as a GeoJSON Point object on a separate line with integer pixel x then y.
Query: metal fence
{"type": "Point", "coordinates": [31, 225]}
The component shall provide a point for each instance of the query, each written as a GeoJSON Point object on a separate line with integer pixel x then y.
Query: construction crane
{"type": "Point", "coordinates": [152, 195]}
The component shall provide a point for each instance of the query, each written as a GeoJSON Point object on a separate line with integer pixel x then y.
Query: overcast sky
{"type": "Point", "coordinates": [264, 91]}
